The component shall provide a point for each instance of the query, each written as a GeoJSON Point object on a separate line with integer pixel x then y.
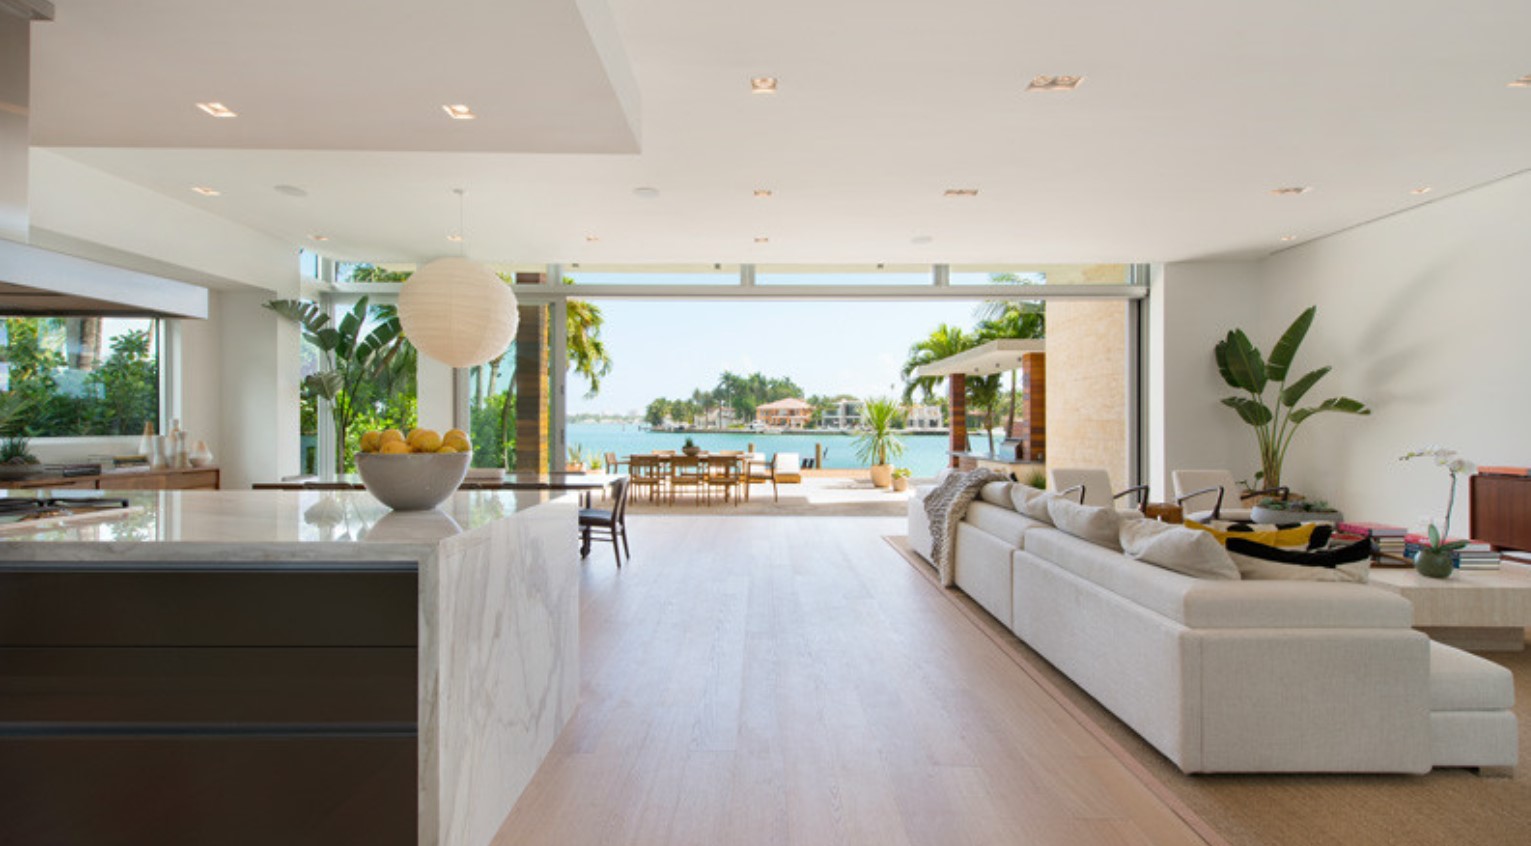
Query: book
{"type": "Point", "coordinates": [1504, 471]}
{"type": "Point", "coordinates": [1365, 528]}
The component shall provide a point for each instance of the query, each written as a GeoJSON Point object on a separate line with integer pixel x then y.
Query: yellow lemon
{"type": "Point", "coordinates": [424, 440]}
{"type": "Point", "coordinates": [390, 435]}
{"type": "Point", "coordinates": [394, 447]}
{"type": "Point", "coordinates": [445, 449]}
{"type": "Point", "coordinates": [370, 441]}
{"type": "Point", "coordinates": [454, 433]}
{"type": "Point", "coordinates": [457, 442]}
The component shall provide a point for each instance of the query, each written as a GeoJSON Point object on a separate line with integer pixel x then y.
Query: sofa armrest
{"type": "Point", "coordinates": [1253, 604]}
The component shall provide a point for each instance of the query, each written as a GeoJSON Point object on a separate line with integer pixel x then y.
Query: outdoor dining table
{"type": "Point", "coordinates": [743, 458]}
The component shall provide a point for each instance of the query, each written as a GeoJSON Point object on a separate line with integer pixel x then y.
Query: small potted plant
{"type": "Point", "coordinates": [690, 447]}
{"type": "Point", "coordinates": [1436, 560]}
{"type": "Point", "coordinates": [1275, 510]}
{"type": "Point", "coordinates": [901, 478]}
{"type": "Point", "coordinates": [576, 462]}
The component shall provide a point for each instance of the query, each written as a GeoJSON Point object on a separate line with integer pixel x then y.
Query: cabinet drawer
{"type": "Point", "coordinates": [134, 482]}
{"type": "Point", "coordinates": [195, 480]}
{"type": "Point", "coordinates": [59, 485]}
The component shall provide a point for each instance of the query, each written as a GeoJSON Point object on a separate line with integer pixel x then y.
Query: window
{"type": "Point", "coordinates": [81, 376]}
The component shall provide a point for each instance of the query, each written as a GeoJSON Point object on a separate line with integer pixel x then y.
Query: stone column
{"type": "Point", "coordinates": [959, 412]}
{"type": "Point", "coordinates": [531, 383]}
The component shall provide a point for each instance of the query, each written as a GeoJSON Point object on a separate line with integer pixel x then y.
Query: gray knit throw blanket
{"type": "Point", "coordinates": [945, 507]}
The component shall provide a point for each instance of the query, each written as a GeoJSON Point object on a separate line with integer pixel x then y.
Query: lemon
{"type": "Point", "coordinates": [446, 449]}
{"type": "Point", "coordinates": [424, 440]}
{"type": "Point", "coordinates": [390, 435]}
{"type": "Point", "coordinates": [370, 441]}
{"type": "Point", "coordinates": [397, 447]}
{"type": "Point", "coordinates": [457, 433]}
{"type": "Point", "coordinates": [457, 442]}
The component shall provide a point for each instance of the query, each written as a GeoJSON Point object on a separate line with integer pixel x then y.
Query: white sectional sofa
{"type": "Point", "coordinates": [1237, 675]}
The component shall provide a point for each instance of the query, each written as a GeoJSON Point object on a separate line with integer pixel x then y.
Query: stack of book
{"type": "Point", "coordinates": [1477, 555]}
{"type": "Point", "coordinates": [1385, 539]}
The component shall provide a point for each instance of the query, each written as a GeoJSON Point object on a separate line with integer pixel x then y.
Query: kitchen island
{"type": "Point", "coordinates": [275, 666]}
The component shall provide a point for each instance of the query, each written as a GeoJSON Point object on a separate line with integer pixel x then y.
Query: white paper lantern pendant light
{"type": "Point", "coordinates": [458, 311]}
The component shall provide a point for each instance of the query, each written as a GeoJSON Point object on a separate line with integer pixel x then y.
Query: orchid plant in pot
{"type": "Point", "coordinates": [1435, 560]}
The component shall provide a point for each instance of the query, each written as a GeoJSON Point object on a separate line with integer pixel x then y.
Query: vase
{"type": "Point", "coordinates": [200, 455]}
{"type": "Point", "coordinates": [1434, 563]}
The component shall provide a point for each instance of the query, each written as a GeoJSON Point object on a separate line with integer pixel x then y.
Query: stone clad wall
{"type": "Point", "coordinates": [1087, 386]}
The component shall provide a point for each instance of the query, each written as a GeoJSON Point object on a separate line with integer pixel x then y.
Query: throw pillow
{"type": "Point", "coordinates": [1299, 535]}
{"type": "Point", "coordinates": [1031, 501]}
{"type": "Point", "coordinates": [1349, 563]}
{"type": "Point", "coordinates": [1098, 525]}
{"type": "Point", "coordinates": [997, 493]}
{"type": "Point", "coordinates": [1176, 548]}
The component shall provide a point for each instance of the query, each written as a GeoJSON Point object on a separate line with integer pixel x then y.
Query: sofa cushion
{"type": "Point", "coordinates": [1266, 533]}
{"type": "Point", "coordinates": [1222, 604]}
{"type": "Point", "coordinates": [1350, 563]}
{"type": "Point", "coordinates": [1002, 523]}
{"type": "Point", "coordinates": [1463, 682]}
{"type": "Point", "coordinates": [1099, 525]}
{"type": "Point", "coordinates": [1196, 554]}
{"type": "Point", "coordinates": [1031, 501]}
{"type": "Point", "coordinates": [997, 493]}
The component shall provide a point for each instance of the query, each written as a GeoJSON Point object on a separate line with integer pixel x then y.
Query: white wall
{"type": "Point", "coordinates": [258, 364]}
{"type": "Point", "coordinates": [1191, 306]}
{"type": "Point", "coordinates": [1423, 316]}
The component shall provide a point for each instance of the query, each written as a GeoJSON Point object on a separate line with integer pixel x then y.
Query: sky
{"type": "Point", "coordinates": [670, 348]}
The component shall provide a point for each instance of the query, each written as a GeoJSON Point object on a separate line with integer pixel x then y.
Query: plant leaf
{"type": "Point", "coordinates": [1454, 546]}
{"type": "Point", "coordinates": [1251, 411]}
{"type": "Point", "coordinates": [1435, 536]}
{"type": "Point", "coordinates": [1244, 362]}
{"type": "Point", "coordinates": [1286, 348]}
{"type": "Point", "coordinates": [1220, 354]}
{"type": "Point", "coordinates": [1345, 405]}
{"type": "Point", "coordinates": [326, 384]}
{"type": "Point", "coordinates": [1293, 393]}
{"type": "Point", "coordinates": [304, 313]}
{"type": "Point", "coordinates": [325, 339]}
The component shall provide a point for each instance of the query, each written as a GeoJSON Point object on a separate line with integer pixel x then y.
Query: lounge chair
{"type": "Point", "coordinates": [786, 469]}
{"type": "Point", "coordinates": [1096, 484]}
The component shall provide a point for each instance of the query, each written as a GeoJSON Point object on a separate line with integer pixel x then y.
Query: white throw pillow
{"type": "Point", "coordinates": [1189, 551]}
{"type": "Point", "coordinates": [1031, 501]}
{"type": "Point", "coordinates": [997, 493]}
{"type": "Point", "coordinates": [1098, 525]}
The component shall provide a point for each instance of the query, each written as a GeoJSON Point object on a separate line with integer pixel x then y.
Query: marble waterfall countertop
{"type": "Point", "coordinates": [497, 609]}
{"type": "Point", "coordinates": [244, 526]}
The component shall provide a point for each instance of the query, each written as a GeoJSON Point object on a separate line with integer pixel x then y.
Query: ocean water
{"type": "Point", "coordinates": [924, 455]}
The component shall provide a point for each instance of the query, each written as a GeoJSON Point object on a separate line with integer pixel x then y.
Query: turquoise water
{"type": "Point", "coordinates": [924, 455]}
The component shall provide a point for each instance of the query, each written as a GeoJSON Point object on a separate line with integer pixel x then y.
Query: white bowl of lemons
{"type": "Point", "coordinates": [413, 472]}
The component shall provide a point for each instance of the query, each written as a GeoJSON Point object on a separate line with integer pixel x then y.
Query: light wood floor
{"type": "Point", "coordinates": [768, 680]}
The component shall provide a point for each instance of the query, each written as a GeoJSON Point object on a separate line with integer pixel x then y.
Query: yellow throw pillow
{"type": "Point", "coordinates": [1265, 533]}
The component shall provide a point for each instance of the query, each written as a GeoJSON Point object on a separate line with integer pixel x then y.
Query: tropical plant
{"type": "Point", "coordinates": [986, 395]}
{"type": "Point", "coordinates": [587, 352]}
{"type": "Point", "coordinates": [877, 444]}
{"type": "Point", "coordinates": [1440, 539]}
{"type": "Point", "coordinates": [17, 449]}
{"type": "Point", "coordinates": [902, 472]}
{"type": "Point", "coordinates": [1037, 479]}
{"type": "Point", "coordinates": [577, 454]}
{"type": "Point", "coordinates": [943, 342]}
{"type": "Point", "coordinates": [1011, 319]}
{"type": "Point", "coordinates": [351, 354]}
{"type": "Point", "coordinates": [1243, 368]}
{"type": "Point", "coordinates": [689, 444]}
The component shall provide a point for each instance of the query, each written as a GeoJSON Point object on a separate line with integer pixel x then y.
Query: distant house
{"type": "Point", "coordinates": [923, 417]}
{"type": "Point", "coordinates": [789, 413]}
{"type": "Point", "coordinates": [846, 414]}
{"type": "Point", "coordinates": [720, 417]}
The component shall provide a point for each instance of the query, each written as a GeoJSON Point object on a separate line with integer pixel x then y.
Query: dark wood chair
{"type": "Point", "coordinates": [600, 524]}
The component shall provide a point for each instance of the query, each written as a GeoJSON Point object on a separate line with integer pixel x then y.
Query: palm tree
{"type": "Point", "coordinates": [1004, 319]}
{"type": "Point", "coordinates": [587, 352]}
{"type": "Point", "coordinates": [943, 342]}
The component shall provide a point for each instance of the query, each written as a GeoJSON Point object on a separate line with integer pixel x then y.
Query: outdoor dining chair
{"type": "Point", "coordinates": [687, 472]}
{"type": "Point", "coordinates": [646, 474]}
{"type": "Point", "coordinates": [723, 475]}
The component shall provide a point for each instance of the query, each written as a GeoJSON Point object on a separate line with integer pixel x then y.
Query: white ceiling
{"type": "Point", "coordinates": [1191, 111]}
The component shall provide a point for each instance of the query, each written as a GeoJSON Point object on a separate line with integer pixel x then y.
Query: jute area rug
{"type": "Point", "coordinates": [1443, 807]}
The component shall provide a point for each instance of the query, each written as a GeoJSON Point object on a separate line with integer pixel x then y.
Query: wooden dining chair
{"type": "Point", "coordinates": [600, 524]}
{"type": "Point", "coordinates": [723, 475]}
{"type": "Point", "coordinates": [687, 472]}
{"type": "Point", "coordinates": [646, 474]}
{"type": "Point", "coordinates": [756, 471]}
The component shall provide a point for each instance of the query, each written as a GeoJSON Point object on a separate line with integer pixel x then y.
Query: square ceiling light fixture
{"type": "Point", "coordinates": [763, 85]}
{"type": "Point", "coordinates": [1054, 83]}
{"type": "Point", "coordinates": [217, 110]}
{"type": "Point", "coordinates": [1523, 82]}
{"type": "Point", "coordinates": [459, 111]}
{"type": "Point", "coordinates": [1291, 190]}
{"type": "Point", "coordinates": [960, 192]}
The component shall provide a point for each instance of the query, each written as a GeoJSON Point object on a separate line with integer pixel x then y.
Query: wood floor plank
{"type": "Point", "coordinates": [768, 680]}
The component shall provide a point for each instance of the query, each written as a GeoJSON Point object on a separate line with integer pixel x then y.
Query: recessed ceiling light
{"type": "Point", "coordinates": [217, 110]}
{"type": "Point", "coordinates": [762, 240]}
{"type": "Point", "coordinates": [1423, 189]}
{"type": "Point", "coordinates": [459, 111]}
{"type": "Point", "coordinates": [763, 85]}
{"type": "Point", "coordinates": [1289, 237]}
{"type": "Point", "coordinates": [318, 237]}
{"type": "Point", "coordinates": [1523, 82]}
{"type": "Point", "coordinates": [290, 190]}
{"type": "Point", "coordinates": [762, 193]}
{"type": "Point", "coordinates": [1291, 191]}
{"type": "Point", "coordinates": [1054, 83]}
{"type": "Point", "coordinates": [961, 192]}
{"type": "Point", "coordinates": [646, 192]}
{"type": "Point", "coordinates": [206, 191]}
{"type": "Point", "coordinates": [591, 239]}
{"type": "Point", "coordinates": [454, 237]}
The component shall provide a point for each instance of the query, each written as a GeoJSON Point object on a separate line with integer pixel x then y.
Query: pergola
{"type": "Point", "coordinates": [999, 356]}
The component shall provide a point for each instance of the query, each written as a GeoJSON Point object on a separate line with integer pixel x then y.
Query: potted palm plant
{"type": "Point", "coordinates": [877, 444]}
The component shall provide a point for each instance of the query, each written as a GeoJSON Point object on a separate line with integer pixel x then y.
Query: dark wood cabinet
{"type": "Point", "coordinates": [1501, 510]}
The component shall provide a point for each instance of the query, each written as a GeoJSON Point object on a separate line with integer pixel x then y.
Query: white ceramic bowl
{"type": "Point", "coordinates": [412, 481]}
